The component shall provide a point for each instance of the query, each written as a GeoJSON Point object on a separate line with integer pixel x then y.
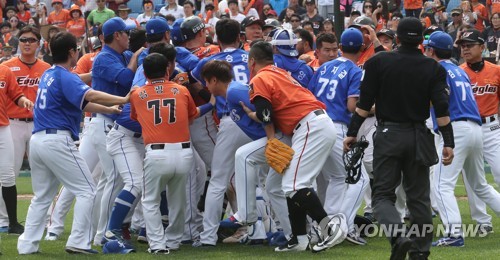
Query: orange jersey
{"type": "Point", "coordinates": [365, 55]}
{"type": "Point", "coordinates": [77, 28]}
{"type": "Point", "coordinates": [495, 5]}
{"type": "Point", "coordinates": [314, 64]}
{"type": "Point", "coordinates": [24, 18]}
{"type": "Point", "coordinates": [206, 51]}
{"type": "Point", "coordinates": [59, 19]}
{"type": "Point", "coordinates": [484, 12]}
{"type": "Point", "coordinates": [485, 85]}
{"type": "Point", "coordinates": [291, 102]}
{"type": "Point", "coordinates": [27, 79]}
{"type": "Point", "coordinates": [9, 92]}
{"type": "Point", "coordinates": [164, 110]}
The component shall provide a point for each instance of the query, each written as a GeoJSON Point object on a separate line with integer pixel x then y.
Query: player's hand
{"type": "Point", "coordinates": [25, 103]}
{"type": "Point", "coordinates": [249, 112]}
{"type": "Point", "coordinates": [306, 58]}
{"type": "Point", "coordinates": [348, 141]}
{"type": "Point", "coordinates": [373, 35]}
{"type": "Point", "coordinates": [115, 109]}
{"type": "Point", "coordinates": [126, 99]}
{"type": "Point", "coordinates": [138, 52]}
{"type": "Point", "coordinates": [447, 155]}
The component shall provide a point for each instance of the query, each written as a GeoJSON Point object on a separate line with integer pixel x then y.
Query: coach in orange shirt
{"type": "Point", "coordinates": [59, 16]}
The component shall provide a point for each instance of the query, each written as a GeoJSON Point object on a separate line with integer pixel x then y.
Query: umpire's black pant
{"type": "Point", "coordinates": [394, 160]}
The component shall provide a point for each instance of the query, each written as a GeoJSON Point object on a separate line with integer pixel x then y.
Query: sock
{"type": "Point", "coordinates": [310, 203]}
{"type": "Point", "coordinates": [10, 198]}
{"type": "Point", "coordinates": [123, 203]}
{"type": "Point", "coordinates": [297, 218]}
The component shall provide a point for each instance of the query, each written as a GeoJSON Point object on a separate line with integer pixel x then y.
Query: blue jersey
{"type": "Point", "coordinates": [462, 104]}
{"type": "Point", "coordinates": [59, 101]}
{"type": "Point", "coordinates": [335, 82]}
{"type": "Point", "coordinates": [185, 59]}
{"type": "Point", "coordinates": [237, 92]}
{"type": "Point", "coordinates": [238, 59]}
{"type": "Point", "coordinates": [298, 69]}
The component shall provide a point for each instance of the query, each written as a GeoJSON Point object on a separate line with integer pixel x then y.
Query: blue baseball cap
{"type": "Point", "coordinates": [440, 40]}
{"type": "Point", "coordinates": [175, 33]}
{"type": "Point", "coordinates": [157, 25]}
{"type": "Point", "coordinates": [351, 38]}
{"type": "Point", "coordinates": [115, 24]}
{"type": "Point", "coordinates": [117, 247]}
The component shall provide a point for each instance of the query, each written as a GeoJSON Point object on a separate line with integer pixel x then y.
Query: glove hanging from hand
{"type": "Point", "coordinates": [278, 155]}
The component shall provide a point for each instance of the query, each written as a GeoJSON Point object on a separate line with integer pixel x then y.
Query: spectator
{"type": "Point", "coordinates": [354, 14]}
{"type": "Point", "coordinates": [492, 33]}
{"type": "Point", "coordinates": [59, 16]}
{"type": "Point", "coordinates": [148, 7]}
{"type": "Point", "coordinates": [368, 6]}
{"type": "Point", "coordinates": [294, 4]}
{"type": "Point", "coordinates": [265, 9]}
{"type": "Point", "coordinates": [7, 37]}
{"type": "Point", "coordinates": [493, 6]}
{"type": "Point", "coordinates": [123, 12]}
{"type": "Point", "coordinates": [15, 25]}
{"type": "Point", "coordinates": [76, 25]}
{"type": "Point", "coordinates": [288, 14]}
{"type": "Point", "coordinates": [413, 8]}
{"type": "Point", "coordinates": [247, 9]}
{"type": "Point", "coordinates": [115, 4]}
{"type": "Point", "coordinates": [47, 33]}
{"type": "Point", "coordinates": [328, 26]}
{"type": "Point", "coordinates": [272, 15]}
{"type": "Point", "coordinates": [210, 20]}
{"type": "Point", "coordinates": [312, 16]}
{"type": "Point", "coordinates": [294, 23]}
{"type": "Point", "coordinates": [456, 20]}
{"type": "Point", "coordinates": [393, 23]}
{"type": "Point", "coordinates": [172, 8]}
{"type": "Point", "coordinates": [223, 5]}
{"type": "Point", "coordinates": [308, 26]}
{"type": "Point", "coordinates": [234, 11]}
{"type": "Point", "coordinates": [89, 6]}
{"type": "Point", "coordinates": [481, 14]}
{"type": "Point", "coordinates": [41, 14]}
{"type": "Point", "coordinates": [9, 12]}
{"type": "Point", "coordinates": [386, 38]}
{"type": "Point", "coordinates": [22, 12]}
{"type": "Point", "coordinates": [189, 9]}
{"type": "Point", "coordinates": [6, 53]}
{"type": "Point", "coordinates": [99, 15]}
{"type": "Point", "coordinates": [170, 19]}
{"type": "Point", "coordinates": [381, 15]}
{"type": "Point", "coordinates": [469, 17]}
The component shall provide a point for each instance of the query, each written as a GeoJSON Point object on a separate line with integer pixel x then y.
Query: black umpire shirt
{"type": "Point", "coordinates": [402, 84]}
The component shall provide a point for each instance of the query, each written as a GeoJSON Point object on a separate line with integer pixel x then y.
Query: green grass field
{"type": "Point", "coordinates": [377, 248]}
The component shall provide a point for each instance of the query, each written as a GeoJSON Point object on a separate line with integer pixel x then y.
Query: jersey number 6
{"type": "Point", "coordinates": [155, 105]}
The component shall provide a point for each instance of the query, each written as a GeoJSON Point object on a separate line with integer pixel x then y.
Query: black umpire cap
{"type": "Point", "coordinates": [410, 30]}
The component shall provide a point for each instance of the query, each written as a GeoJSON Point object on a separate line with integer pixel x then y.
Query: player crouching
{"type": "Point", "coordinates": [164, 109]}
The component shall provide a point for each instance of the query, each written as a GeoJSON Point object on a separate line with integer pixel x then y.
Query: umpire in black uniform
{"type": "Point", "coordinates": [403, 84]}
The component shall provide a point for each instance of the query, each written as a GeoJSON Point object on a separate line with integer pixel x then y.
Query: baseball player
{"type": "Point", "coordinates": [54, 156]}
{"type": "Point", "coordinates": [164, 108]}
{"type": "Point", "coordinates": [9, 90]}
{"type": "Point", "coordinates": [327, 49]}
{"type": "Point", "coordinates": [230, 137]}
{"type": "Point", "coordinates": [285, 56]}
{"type": "Point", "coordinates": [468, 151]}
{"type": "Point", "coordinates": [251, 30]}
{"type": "Point", "coordinates": [249, 157]}
{"type": "Point", "coordinates": [281, 102]}
{"type": "Point", "coordinates": [27, 69]}
{"type": "Point", "coordinates": [336, 84]}
{"type": "Point", "coordinates": [112, 72]}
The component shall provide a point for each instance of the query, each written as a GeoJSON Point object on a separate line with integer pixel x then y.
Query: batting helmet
{"type": "Point", "coordinates": [175, 32]}
{"type": "Point", "coordinates": [190, 27]}
{"type": "Point", "coordinates": [273, 23]}
{"type": "Point", "coordinates": [285, 41]}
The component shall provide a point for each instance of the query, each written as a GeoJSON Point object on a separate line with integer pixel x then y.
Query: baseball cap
{"type": "Point", "coordinates": [351, 38]}
{"type": "Point", "coordinates": [272, 12]}
{"type": "Point", "coordinates": [115, 24]}
{"type": "Point", "coordinates": [362, 20]}
{"type": "Point", "coordinates": [309, 2]}
{"type": "Point", "coordinates": [157, 25]}
{"type": "Point", "coordinates": [116, 247]}
{"type": "Point", "coordinates": [440, 40]}
{"type": "Point", "coordinates": [471, 35]}
{"type": "Point", "coordinates": [410, 29]}
{"type": "Point", "coordinates": [56, 1]}
{"type": "Point", "coordinates": [429, 30]}
{"type": "Point", "coordinates": [386, 32]}
{"type": "Point", "coordinates": [456, 11]}
{"type": "Point", "coordinates": [271, 23]}
{"type": "Point", "coordinates": [249, 21]}
{"type": "Point", "coordinates": [176, 34]}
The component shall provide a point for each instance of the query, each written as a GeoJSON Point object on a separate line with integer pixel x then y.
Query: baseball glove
{"type": "Point", "coordinates": [278, 155]}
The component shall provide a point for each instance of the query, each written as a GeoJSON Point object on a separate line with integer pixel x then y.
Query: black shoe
{"type": "Point", "coordinates": [17, 229]}
{"type": "Point", "coordinates": [400, 248]}
{"type": "Point", "coordinates": [419, 256]}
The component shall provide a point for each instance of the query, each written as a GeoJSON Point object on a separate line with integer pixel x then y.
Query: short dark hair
{"type": "Point", "coordinates": [306, 36]}
{"type": "Point", "coordinates": [325, 37]}
{"type": "Point", "coordinates": [443, 54]}
{"type": "Point", "coordinates": [165, 49]}
{"type": "Point", "coordinates": [219, 69]}
{"type": "Point", "coordinates": [295, 15]}
{"type": "Point", "coordinates": [304, 23]}
{"type": "Point", "coordinates": [169, 17]}
{"type": "Point", "coordinates": [155, 66]}
{"type": "Point", "coordinates": [60, 45]}
{"type": "Point", "coordinates": [109, 39]}
{"type": "Point", "coordinates": [30, 29]}
{"type": "Point", "coordinates": [261, 52]}
{"type": "Point", "coordinates": [5, 24]}
{"type": "Point", "coordinates": [189, 3]}
{"type": "Point", "coordinates": [227, 30]}
{"type": "Point", "coordinates": [137, 39]}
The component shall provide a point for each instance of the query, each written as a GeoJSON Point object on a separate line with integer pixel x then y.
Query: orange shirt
{"type": "Point", "coordinates": [365, 55]}
{"type": "Point", "coordinates": [77, 28]}
{"type": "Point", "coordinates": [164, 110]}
{"type": "Point", "coordinates": [413, 4]}
{"type": "Point", "coordinates": [246, 46]}
{"type": "Point", "coordinates": [314, 64]}
{"type": "Point", "coordinates": [27, 79]}
{"type": "Point", "coordinates": [495, 5]}
{"type": "Point", "coordinates": [59, 19]}
{"type": "Point", "coordinates": [206, 51]}
{"type": "Point", "coordinates": [381, 24]}
{"type": "Point", "coordinates": [9, 91]}
{"type": "Point", "coordinates": [479, 22]}
{"type": "Point", "coordinates": [24, 18]}
{"type": "Point", "coordinates": [84, 65]}
{"type": "Point", "coordinates": [485, 85]}
{"type": "Point", "coordinates": [291, 102]}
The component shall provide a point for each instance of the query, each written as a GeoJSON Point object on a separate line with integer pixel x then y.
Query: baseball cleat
{"type": "Point", "coordinates": [199, 244]}
{"type": "Point", "coordinates": [142, 237]}
{"type": "Point", "coordinates": [400, 248]}
{"type": "Point", "coordinates": [158, 251]}
{"type": "Point", "coordinates": [51, 236]}
{"type": "Point", "coordinates": [74, 250]}
{"type": "Point", "coordinates": [4, 229]}
{"type": "Point", "coordinates": [334, 233]}
{"type": "Point", "coordinates": [231, 223]}
{"type": "Point", "coordinates": [293, 245]}
{"type": "Point", "coordinates": [450, 241]}
{"type": "Point", "coordinates": [16, 229]}
{"type": "Point", "coordinates": [485, 229]}
{"type": "Point", "coordinates": [354, 238]}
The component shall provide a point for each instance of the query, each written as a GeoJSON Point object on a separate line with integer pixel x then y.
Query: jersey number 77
{"type": "Point", "coordinates": [157, 104]}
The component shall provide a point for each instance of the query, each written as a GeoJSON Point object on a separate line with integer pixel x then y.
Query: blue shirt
{"type": "Point", "coordinates": [185, 59]}
{"type": "Point", "coordinates": [237, 92]}
{"type": "Point", "coordinates": [238, 59]}
{"type": "Point", "coordinates": [462, 104]}
{"type": "Point", "coordinates": [59, 101]}
{"type": "Point", "coordinates": [334, 82]}
{"type": "Point", "coordinates": [299, 70]}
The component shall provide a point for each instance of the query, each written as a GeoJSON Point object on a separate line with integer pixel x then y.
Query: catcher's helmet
{"type": "Point", "coordinates": [175, 32]}
{"type": "Point", "coordinates": [285, 41]}
{"type": "Point", "coordinates": [190, 27]}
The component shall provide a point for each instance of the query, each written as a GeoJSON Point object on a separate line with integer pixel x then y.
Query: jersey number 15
{"type": "Point", "coordinates": [155, 105]}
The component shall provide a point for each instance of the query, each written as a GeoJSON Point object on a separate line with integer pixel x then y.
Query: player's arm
{"type": "Point", "coordinates": [96, 108]}
{"type": "Point", "coordinates": [205, 108]}
{"type": "Point", "coordinates": [440, 99]}
{"type": "Point", "coordinates": [24, 102]}
{"type": "Point", "coordinates": [86, 77]}
{"type": "Point", "coordinates": [373, 37]}
{"type": "Point", "coordinates": [105, 99]}
{"type": "Point", "coordinates": [262, 114]}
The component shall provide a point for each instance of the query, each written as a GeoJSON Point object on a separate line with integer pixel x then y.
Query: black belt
{"type": "Point", "coordinates": [316, 112]}
{"type": "Point", "coordinates": [162, 146]}
{"type": "Point", "coordinates": [136, 135]}
{"type": "Point", "coordinates": [400, 124]}
{"type": "Point", "coordinates": [491, 119]}
{"type": "Point", "coordinates": [27, 119]}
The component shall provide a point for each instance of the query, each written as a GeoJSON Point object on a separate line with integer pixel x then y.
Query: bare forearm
{"type": "Point", "coordinates": [362, 112]}
{"type": "Point", "coordinates": [105, 99]}
{"type": "Point", "coordinates": [86, 77]}
{"type": "Point", "coordinates": [270, 131]}
{"type": "Point", "coordinates": [96, 108]}
{"type": "Point", "coordinates": [442, 121]}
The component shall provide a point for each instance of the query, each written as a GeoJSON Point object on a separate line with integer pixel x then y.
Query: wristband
{"type": "Point", "coordinates": [205, 108]}
{"type": "Point", "coordinates": [447, 134]}
{"type": "Point", "coordinates": [355, 124]}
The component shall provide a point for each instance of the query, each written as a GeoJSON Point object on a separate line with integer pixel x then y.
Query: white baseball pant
{"type": "Point", "coordinates": [195, 185]}
{"type": "Point", "coordinates": [203, 133]}
{"type": "Point", "coordinates": [7, 176]}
